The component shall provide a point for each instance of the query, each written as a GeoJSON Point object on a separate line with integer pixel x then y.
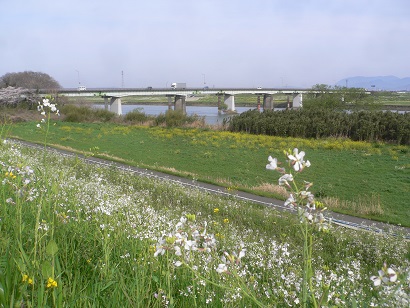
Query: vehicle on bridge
{"type": "Point", "coordinates": [178, 85]}
{"type": "Point", "coordinates": [82, 88]}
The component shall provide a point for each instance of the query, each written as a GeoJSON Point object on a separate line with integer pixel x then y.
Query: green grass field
{"type": "Point", "coordinates": [75, 234]}
{"type": "Point", "coordinates": [369, 180]}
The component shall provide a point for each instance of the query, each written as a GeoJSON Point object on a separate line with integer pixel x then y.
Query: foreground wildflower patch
{"type": "Point", "coordinates": [85, 227]}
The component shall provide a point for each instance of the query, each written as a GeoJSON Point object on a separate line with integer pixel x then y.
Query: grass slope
{"type": "Point", "coordinates": [370, 180]}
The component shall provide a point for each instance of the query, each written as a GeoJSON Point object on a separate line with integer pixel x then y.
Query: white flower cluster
{"type": "Point", "coordinates": [231, 259]}
{"type": "Point", "coordinates": [385, 275]}
{"type": "Point", "coordinates": [188, 236]}
{"type": "Point", "coordinates": [303, 200]}
{"type": "Point", "coordinates": [296, 160]}
{"type": "Point", "coordinates": [21, 179]}
{"type": "Point", "coordinates": [46, 107]}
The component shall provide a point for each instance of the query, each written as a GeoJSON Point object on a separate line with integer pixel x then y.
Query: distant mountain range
{"type": "Point", "coordinates": [387, 83]}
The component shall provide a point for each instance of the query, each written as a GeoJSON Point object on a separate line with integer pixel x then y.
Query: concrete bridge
{"type": "Point", "coordinates": [177, 97]}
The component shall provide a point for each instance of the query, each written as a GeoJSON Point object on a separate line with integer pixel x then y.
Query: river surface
{"type": "Point", "coordinates": [209, 113]}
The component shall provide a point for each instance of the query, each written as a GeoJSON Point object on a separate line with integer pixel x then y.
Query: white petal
{"type": "Point", "coordinates": [376, 280]}
{"type": "Point", "coordinates": [178, 263]}
{"type": "Point", "coordinates": [392, 274]}
{"type": "Point", "coordinates": [221, 268]}
{"type": "Point", "coordinates": [291, 157]}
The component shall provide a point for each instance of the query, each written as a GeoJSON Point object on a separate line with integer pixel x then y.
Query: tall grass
{"type": "Point", "coordinates": [74, 113]}
{"type": "Point", "coordinates": [79, 235]}
{"type": "Point", "coordinates": [175, 118]}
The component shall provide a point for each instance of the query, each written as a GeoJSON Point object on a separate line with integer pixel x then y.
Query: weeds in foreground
{"type": "Point", "coordinates": [80, 235]}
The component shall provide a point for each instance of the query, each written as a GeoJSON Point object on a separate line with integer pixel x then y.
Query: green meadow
{"type": "Point", "coordinates": [370, 180]}
{"type": "Point", "coordinates": [74, 234]}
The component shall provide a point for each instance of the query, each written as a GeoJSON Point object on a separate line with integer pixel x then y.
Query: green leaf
{"type": "Point", "coordinates": [47, 269]}
{"type": "Point", "coordinates": [155, 278]}
{"type": "Point", "coordinates": [51, 248]}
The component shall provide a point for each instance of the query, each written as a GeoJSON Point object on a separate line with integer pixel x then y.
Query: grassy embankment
{"type": "Point", "coordinates": [357, 178]}
{"type": "Point", "coordinates": [80, 235]}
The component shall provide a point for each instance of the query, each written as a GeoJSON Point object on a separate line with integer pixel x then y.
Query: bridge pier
{"type": "Point", "coordinates": [230, 102]}
{"type": "Point", "coordinates": [259, 103]}
{"type": "Point", "coordinates": [114, 105]}
{"type": "Point", "coordinates": [169, 102]}
{"type": "Point", "coordinates": [297, 101]}
{"type": "Point", "coordinates": [179, 103]}
{"type": "Point", "coordinates": [267, 102]}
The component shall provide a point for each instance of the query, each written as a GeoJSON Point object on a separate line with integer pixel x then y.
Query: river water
{"type": "Point", "coordinates": [209, 113]}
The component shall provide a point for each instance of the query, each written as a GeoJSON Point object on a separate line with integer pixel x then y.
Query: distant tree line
{"type": "Point", "coordinates": [29, 80]}
{"type": "Point", "coordinates": [22, 87]}
{"type": "Point", "coordinates": [322, 122]}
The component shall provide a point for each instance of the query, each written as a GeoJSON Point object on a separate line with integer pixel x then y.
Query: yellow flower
{"type": "Point", "coordinates": [226, 220]}
{"type": "Point", "coordinates": [27, 279]}
{"type": "Point", "coordinates": [51, 283]}
{"type": "Point", "coordinates": [216, 210]}
{"type": "Point", "coordinates": [10, 174]}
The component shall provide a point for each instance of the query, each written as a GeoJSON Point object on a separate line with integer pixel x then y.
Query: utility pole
{"type": "Point", "coordinates": [122, 79]}
{"type": "Point", "coordinates": [78, 75]}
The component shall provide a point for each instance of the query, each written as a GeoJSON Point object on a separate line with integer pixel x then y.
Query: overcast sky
{"type": "Point", "coordinates": [224, 43]}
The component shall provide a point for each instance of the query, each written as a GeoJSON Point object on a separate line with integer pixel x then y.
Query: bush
{"type": "Point", "coordinates": [322, 123]}
{"type": "Point", "coordinates": [137, 116]}
{"type": "Point", "coordinates": [173, 118]}
{"type": "Point", "coordinates": [73, 113]}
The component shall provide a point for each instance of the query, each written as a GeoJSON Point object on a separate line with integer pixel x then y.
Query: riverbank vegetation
{"type": "Point", "coordinates": [76, 234]}
{"type": "Point", "coordinates": [371, 182]}
{"type": "Point", "coordinates": [371, 126]}
{"type": "Point", "coordinates": [81, 235]}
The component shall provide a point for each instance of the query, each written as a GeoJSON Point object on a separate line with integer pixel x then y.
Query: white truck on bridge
{"type": "Point", "coordinates": [178, 85]}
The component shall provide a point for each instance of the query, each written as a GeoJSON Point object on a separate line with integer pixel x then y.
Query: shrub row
{"type": "Point", "coordinates": [171, 118]}
{"type": "Point", "coordinates": [73, 113]}
{"type": "Point", "coordinates": [314, 123]}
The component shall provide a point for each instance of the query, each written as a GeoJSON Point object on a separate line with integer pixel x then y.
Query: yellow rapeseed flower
{"type": "Point", "coordinates": [27, 279]}
{"type": "Point", "coordinates": [216, 210]}
{"type": "Point", "coordinates": [51, 283]}
{"type": "Point", "coordinates": [226, 220]}
{"type": "Point", "coordinates": [10, 174]}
